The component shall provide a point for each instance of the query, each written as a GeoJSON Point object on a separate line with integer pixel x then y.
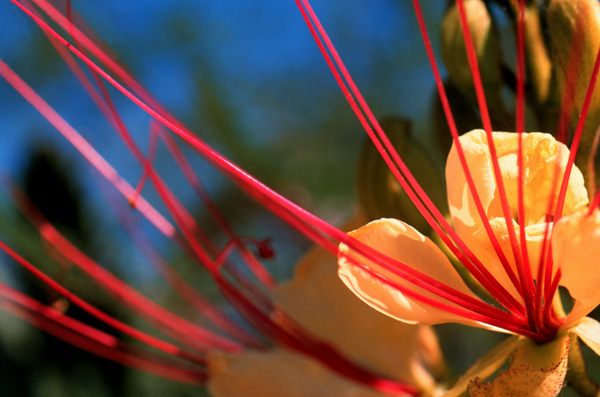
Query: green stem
{"type": "Point", "coordinates": [577, 375]}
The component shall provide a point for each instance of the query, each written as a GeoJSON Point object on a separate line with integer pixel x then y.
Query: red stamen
{"type": "Point", "coordinates": [213, 210]}
{"type": "Point", "coordinates": [414, 277]}
{"type": "Point", "coordinates": [166, 320]}
{"type": "Point", "coordinates": [576, 138]}
{"type": "Point", "coordinates": [248, 183]}
{"type": "Point", "coordinates": [212, 156]}
{"type": "Point", "coordinates": [520, 105]}
{"type": "Point", "coordinates": [544, 275]}
{"type": "Point", "coordinates": [118, 325]}
{"type": "Point", "coordinates": [461, 156]}
{"type": "Point", "coordinates": [202, 256]}
{"type": "Point", "coordinates": [397, 166]}
{"type": "Point", "coordinates": [526, 280]}
{"type": "Point", "coordinates": [150, 159]}
{"type": "Point", "coordinates": [591, 164]}
{"type": "Point", "coordinates": [571, 76]}
{"type": "Point", "coordinates": [93, 340]}
{"type": "Point", "coordinates": [183, 288]}
{"type": "Point", "coordinates": [595, 203]}
{"type": "Point", "coordinates": [196, 336]}
{"type": "Point", "coordinates": [270, 193]}
{"type": "Point", "coordinates": [110, 112]}
{"type": "Point", "coordinates": [549, 315]}
{"type": "Point", "coordinates": [470, 313]}
{"type": "Point", "coordinates": [520, 127]}
{"type": "Point", "coordinates": [89, 153]}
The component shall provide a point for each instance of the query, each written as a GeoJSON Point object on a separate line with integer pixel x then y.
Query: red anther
{"type": "Point", "coordinates": [60, 304]}
{"type": "Point", "coordinates": [265, 250]}
{"type": "Point", "coordinates": [132, 201]}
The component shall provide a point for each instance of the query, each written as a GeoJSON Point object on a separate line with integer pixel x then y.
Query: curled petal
{"type": "Point", "coordinates": [277, 373]}
{"type": "Point", "coordinates": [461, 203]}
{"type": "Point", "coordinates": [319, 301]}
{"type": "Point", "coordinates": [544, 158]}
{"type": "Point", "coordinates": [575, 243]}
{"type": "Point", "coordinates": [403, 243]}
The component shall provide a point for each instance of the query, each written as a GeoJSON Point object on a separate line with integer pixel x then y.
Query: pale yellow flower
{"type": "Point", "coordinates": [570, 261]}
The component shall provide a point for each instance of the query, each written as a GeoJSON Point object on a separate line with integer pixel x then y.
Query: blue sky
{"type": "Point", "coordinates": [244, 44]}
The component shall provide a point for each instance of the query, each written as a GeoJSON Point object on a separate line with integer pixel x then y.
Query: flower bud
{"type": "Point", "coordinates": [537, 61]}
{"type": "Point", "coordinates": [485, 43]}
{"type": "Point", "coordinates": [379, 193]}
{"type": "Point", "coordinates": [574, 39]}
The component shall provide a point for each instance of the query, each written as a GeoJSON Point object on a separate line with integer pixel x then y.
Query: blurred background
{"type": "Point", "coordinates": [248, 78]}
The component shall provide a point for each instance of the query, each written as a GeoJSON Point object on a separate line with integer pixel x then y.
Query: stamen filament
{"type": "Point", "coordinates": [214, 211]}
{"type": "Point", "coordinates": [526, 281]}
{"type": "Point", "coordinates": [416, 278]}
{"type": "Point", "coordinates": [261, 192]}
{"type": "Point", "coordinates": [576, 138]}
{"type": "Point", "coordinates": [183, 288]}
{"type": "Point", "coordinates": [397, 166]}
{"type": "Point", "coordinates": [150, 159]}
{"type": "Point", "coordinates": [591, 164]}
{"type": "Point", "coordinates": [93, 340]}
{"type": "Point", "coordinates": [549, 315]}
{"type": "Point", "coordinates": [520, 105]}
{"type": "Point", "coordinates": [406, 272]}
{"type": "Point", "coordinates": [595, 202]}
{"type": "Point", "coordinates": [250, 184]}
{"type": "Point", "coordinates": [89, 153]}
{"type": "Point", "coordinates": [197, 337]}
{"type": "Point", "coordinates": [520, 127]}
{"type": "Point", "coordinates": [470, 312]}
{"type": "Point", "coordinates": [118, 325]}
{"type": "Point", "coordinates": [461, 156]}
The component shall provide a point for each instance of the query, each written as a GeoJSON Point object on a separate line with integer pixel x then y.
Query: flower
{"type": "Point", "coordinates": [520, 273]}
{"type": "Point", "coordinates": [317, 300]}
{"type": "Point", "coordinates": [555, 254]}
{"type": "Point", "coordinates": [521, 227]}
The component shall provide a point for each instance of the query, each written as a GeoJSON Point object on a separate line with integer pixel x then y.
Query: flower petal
{"type": "Point", "coordinates": [535, 370]}
{"type": "Point", "coordinates": [462, 206]}
{"type": "Point", "coordinates": [575, 251]}
{"type": "Point", "coordinates": [543, 158]}
{"type": "Point", "coordinates": [319, 301]}
{"type": "Point", "coordinates": [277, 373]}
{"type": "Point", "coordinates": [542, 154]}
{"type": "Point", "coordinates": [588, 330]}
{"type": "Point", "coordinates": [403, 243]}
{"type": "Point", "coordinates": [481, 246]}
